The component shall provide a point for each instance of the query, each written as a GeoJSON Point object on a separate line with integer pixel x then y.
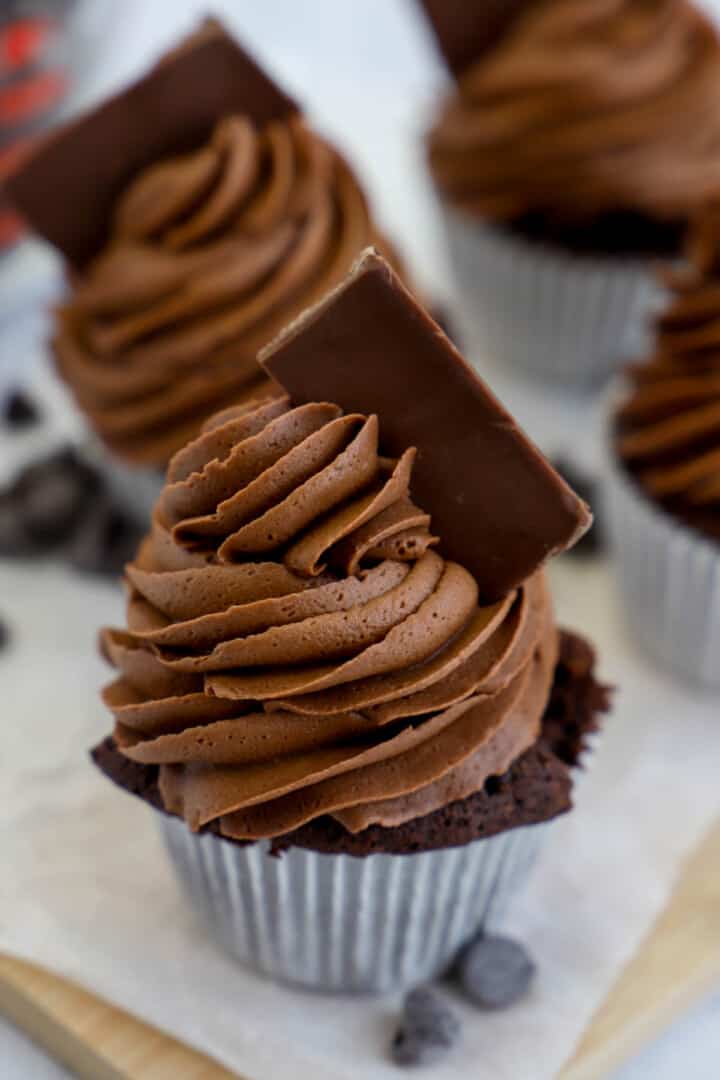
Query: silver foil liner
{"type": "Point", "coordinates": [347, 924]}
{"type": "Point", "coordinates": [669, 579]}
{"type": "Point", "coordinates": [551, 315]}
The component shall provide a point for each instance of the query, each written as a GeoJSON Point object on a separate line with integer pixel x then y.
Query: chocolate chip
{"type": "Point", "coordinates": [52, 495]}
{"type": "Point", "coordinates": [584, 485]}
{"type": "Point", "coordinates": [106, 539]}
{"type": "Point", "coordinates": [441, 315]}
{"type": "Point", "coordinates": [50, 508]}
{"type": "Point", "coordinates": [495, 971]}
{"type": "Point", "coordinates": [20, 410]}
{"type": "Point", "coordinates": [14, 540]}
{"type": "Point", "coordinates": [429, 1029]}
{"type": "Point", "coordinates": [46, 502]}
{"type": "Point", "coordinates": [59, 503]}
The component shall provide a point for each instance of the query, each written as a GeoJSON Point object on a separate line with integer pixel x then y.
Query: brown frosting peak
{"type": "Point", "coordinates": [669, 427]}
{"type": "Point", "coordinates": [296, 646]}
{"type": "Point", "coordinates": [210, 253]}
{"type": "Point", "coordinates": [585, 109]}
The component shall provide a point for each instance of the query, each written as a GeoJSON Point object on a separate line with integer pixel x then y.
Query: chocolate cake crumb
{"type": "Point", "coordinates": [618, 233]}
{"type": "Point", "coordinates": [140, 780]}
{"type": "Point", "coordinates": [537, 786]}
{"type": "Point", "coordinates": [577, 701]}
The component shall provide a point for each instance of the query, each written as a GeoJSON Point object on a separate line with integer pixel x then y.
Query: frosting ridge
{"type": "Point", "coordinates": [582, 110]}
{"type": "Point", "coordinates": [296, 646]}
{"type": "Point", "coordinates": [668, 429]}
{"type": "Point", "coordinates": [210, 254]}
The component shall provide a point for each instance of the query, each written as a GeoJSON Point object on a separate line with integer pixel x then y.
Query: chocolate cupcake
{"type": "Point", "coordinates": [315, 666]}
{"type": "Point", "coordinates": [664, 481]}
{"type": "Point", "coordinates": [214, 223]}
{"type": "Point", "coordinates": [574, 150]}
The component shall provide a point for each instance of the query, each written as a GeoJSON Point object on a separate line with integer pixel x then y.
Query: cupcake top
{"type": "Point", "coordinates": [209, 254]}
{"type": "Point", "coordinates": [298, 642]}
{"type": "Point", "coordinates": [296, 646]}
{"type": "Point", "coordinates": [199, 214]}
{"type": "Point", "coordinates": [668, 429]}
{"type": "Point", "coordinates": [584, 111]}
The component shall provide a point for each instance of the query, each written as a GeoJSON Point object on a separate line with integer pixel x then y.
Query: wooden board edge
{"type": "Point", "coordinates": [677, 963]}
{"type": "Point", "coordinates": [93, 1038]}
{"type": "Point", "coordinates": [22, 1000]}
{"type": "Point", "coordinates": [600, 1059]}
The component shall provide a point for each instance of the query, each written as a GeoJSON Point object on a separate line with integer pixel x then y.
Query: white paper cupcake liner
{"type": "Point", "coordinates": [669, 579]}
{"type": "Point", "coordinates": [342, 923]}
{"type": "Point", "coordinates": [573, 319]}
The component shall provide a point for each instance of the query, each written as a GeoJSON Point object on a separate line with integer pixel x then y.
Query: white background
{"type": "Point", "coordinates": [372, 62]}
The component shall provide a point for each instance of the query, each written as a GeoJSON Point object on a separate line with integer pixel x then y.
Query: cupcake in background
{"type": "Point", "coordinates": [316, 665]}
{"type": "Point", "coordinates": [573, 151]}
{"type": "Point", "coordinates": [198, 213]}
{"type": "Point", "coordinates": [663, 486]}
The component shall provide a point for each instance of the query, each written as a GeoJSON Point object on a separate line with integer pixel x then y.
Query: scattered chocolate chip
{"type": "Point", "coordinates": [429, 1029]}
{"type": "Point", "coordinates": [20, 410]}
{"type": "Point", "coordinates": [14, 540]}
{"type": "Point", "coordinates": [4, 634]}
{"type": "Point", "coordinates": [52, 494]}
{"type": "Point", "coordinates": [495, 971]}
{"type": "Point", "coordinates": [441, 316]}
{"type": "Point", "coordinates": [106, 539]}
{"type": "Point", "coordinates": [586, 488]}
{"type": "Point", "coordinates": [59, 503]}
{"type": "Point", "coordinates": [577, 478]}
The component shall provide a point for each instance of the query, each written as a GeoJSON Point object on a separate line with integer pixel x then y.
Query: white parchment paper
{"type": "Point", "coordinates": [84, 885]}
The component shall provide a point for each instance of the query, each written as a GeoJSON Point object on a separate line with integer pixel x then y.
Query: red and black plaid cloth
{"type": "Point", "coordinates": [33, 80]}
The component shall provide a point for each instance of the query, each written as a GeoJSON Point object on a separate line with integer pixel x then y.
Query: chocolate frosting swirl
{"type": "Point", "coordinates": [586, 109]}
{"type": "Point", "coordinates": [296, 646]}
{"type": "Point", "coordinates": [668, 430]}
{"type": "Point", "coordinates": [211, 253]}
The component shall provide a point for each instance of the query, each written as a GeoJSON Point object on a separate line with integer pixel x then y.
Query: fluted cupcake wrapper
{"type": "Point", "coordinates": [669, 580]}
{"type": "Point", "coordinates": [342, 923]}
{"type": "Point", "coordinates": [573, 319]}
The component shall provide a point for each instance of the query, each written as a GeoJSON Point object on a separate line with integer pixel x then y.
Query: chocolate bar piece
{"type": "Point", "coordinates": [67, 188]}
{"type": "Point", "coordinates": [464, 29]}
{"type": "Point", "coordinates": [499, 507]}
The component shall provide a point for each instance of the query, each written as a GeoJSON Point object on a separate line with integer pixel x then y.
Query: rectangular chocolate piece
{"type": "Point", "coordinates": [67, 187]}
{"type": "Point", "coordinates": [465, 29]}
{"type": "Point", "coordinates": [497, 505]}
